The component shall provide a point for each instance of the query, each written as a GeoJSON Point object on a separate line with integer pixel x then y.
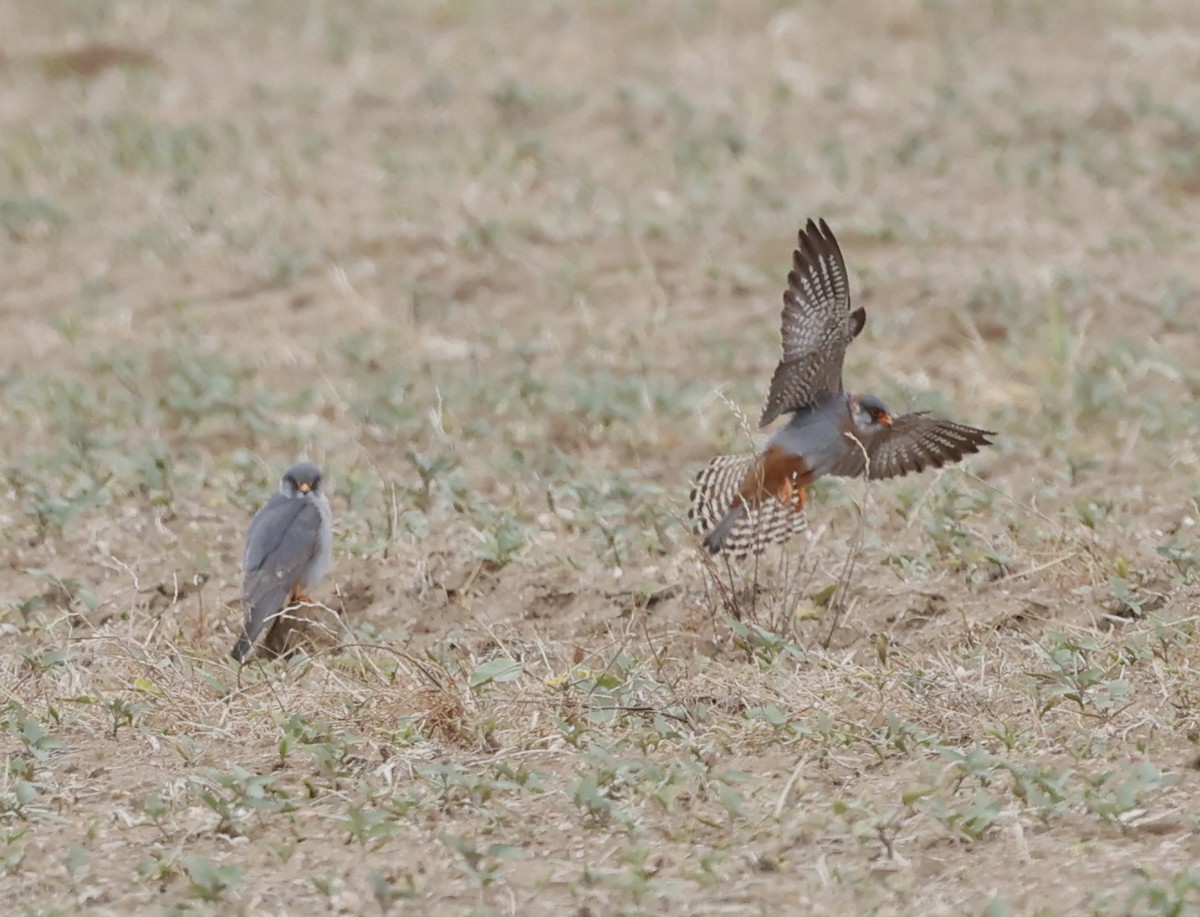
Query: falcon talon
{"type": "Point", "coordinates": [289, 547]}
{"type": "Point", "coordinates": [746, 503]}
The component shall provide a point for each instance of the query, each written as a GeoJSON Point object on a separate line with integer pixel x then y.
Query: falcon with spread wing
{"type": "Point", "coordinates": [745, 503]}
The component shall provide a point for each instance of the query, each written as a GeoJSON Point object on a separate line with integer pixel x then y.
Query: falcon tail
{"type": "Point", "coordinates": [265, 599]}
{"type": "Point", "coordinates": [242, 648]}
{"type": "Point", "coordinates": [732, 526]}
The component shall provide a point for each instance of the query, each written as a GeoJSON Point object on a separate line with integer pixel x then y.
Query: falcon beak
{"type": "Point", "coordinates": [885, 418]}
{"type": "Point", "coordinates": [304, 487]}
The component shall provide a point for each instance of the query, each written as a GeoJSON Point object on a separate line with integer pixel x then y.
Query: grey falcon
{"type": "Point", "coordinates": [289, 548]}
{"type": "Point", "coordinates": [745, 503]}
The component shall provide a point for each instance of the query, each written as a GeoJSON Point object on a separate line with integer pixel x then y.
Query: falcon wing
{"type": "Point", "coordinates": [717, 487]}
{"type": "Point", "coordinates": [913, 443]}
{"type": "Point", "coordinates": [817, 325]}
{"type": "Point", "coordinates": [266, 530]}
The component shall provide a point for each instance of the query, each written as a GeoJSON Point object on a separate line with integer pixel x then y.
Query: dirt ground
{"type": "Point", "coordinates": [511, 273]}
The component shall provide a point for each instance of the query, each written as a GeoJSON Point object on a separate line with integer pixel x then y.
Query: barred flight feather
{"type": "Point", "coordinates": [717, 487]}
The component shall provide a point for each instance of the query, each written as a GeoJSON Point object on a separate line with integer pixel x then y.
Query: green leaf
{"type": "Point", "coordinates": [730, 798]}
{"type": "Point", "coordinates": [499, 669]}
{"type": "Point", "coordinates": [908, 797]}
{"type": "Point", "coordinates": [507, 852]}
{"type": "Point", "coordinates": [146, 686]}
{"type": "Point", "coordinates": [203, 872]}
{"type": "Point", "coordinates": [821, 597]}
{"type": "Point", "coordinates": [75, 859]}
{"type": "Point", "coordinates": [1124, 595]}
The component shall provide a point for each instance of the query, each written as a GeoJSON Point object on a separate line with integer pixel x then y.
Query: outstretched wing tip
{"type": "Point", "coordinates": [816, 324]}
{"type": "Point", "coordinates": [917, 441]}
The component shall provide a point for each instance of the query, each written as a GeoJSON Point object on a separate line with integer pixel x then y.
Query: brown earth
{"type": "Point", "coordinates": [510, 273]}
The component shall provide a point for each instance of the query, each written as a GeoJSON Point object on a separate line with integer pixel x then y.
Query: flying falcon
{"type": "Point", "coordinates": [742, 504]}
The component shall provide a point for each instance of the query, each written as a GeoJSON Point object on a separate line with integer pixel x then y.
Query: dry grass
{"type": "Point", "coordinates": [510, 278]}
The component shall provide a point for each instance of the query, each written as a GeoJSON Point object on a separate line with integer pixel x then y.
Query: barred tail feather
{"type": "Point", "coordinates": [715, 540]}
{"type": "Point", "coordinates": [732, 526]}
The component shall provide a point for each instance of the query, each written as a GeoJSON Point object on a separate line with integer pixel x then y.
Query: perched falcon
{"type": "Point", "coordinates": [288, 550]}
{"type": "Point", "coordinates": [745, 503]}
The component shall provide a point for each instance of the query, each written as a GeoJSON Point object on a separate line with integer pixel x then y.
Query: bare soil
{"type": "Point", "coordinates": [510, 274]}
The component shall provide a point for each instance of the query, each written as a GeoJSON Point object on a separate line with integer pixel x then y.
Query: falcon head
{"type": "Point", "coordinates": [301, 480]}
{"type": "Point", "coordinates": [869, 414]}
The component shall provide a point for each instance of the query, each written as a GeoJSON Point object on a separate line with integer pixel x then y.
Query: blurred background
{"type": "Point", "coordinates": [541, 248]}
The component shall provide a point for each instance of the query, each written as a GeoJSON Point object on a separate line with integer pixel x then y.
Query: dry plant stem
{"type": "Point", "coordinates": [840, 597]}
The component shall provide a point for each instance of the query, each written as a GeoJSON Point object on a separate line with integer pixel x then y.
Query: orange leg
{"type": "Point", "coordinates": [280, 639]}
{"type": "Point", "coordinates": [300, 597]}
{"type": "Point", "coordinates": [793, 494]}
